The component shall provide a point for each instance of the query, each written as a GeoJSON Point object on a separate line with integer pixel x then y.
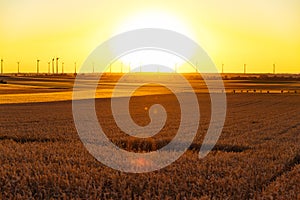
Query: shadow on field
{"type": "Point", "coordinates": [287, 168]}
{"type": "Point", "coordinates": [148, 145]}
{"type": "Point", "coordinates": [23, 140]}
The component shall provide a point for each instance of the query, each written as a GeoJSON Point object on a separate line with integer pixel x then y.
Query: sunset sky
{"type": "Point", "coordinates": [233, 32]}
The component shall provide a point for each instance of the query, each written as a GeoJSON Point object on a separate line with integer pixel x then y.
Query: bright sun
{"type": "Point", "coordinates": [151, 59]}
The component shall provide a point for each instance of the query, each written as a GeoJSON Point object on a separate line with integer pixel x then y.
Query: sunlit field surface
{"type": "Point", "coordinates": [24, 89]}
{"type": "Point", "coordinates": [257, 155]}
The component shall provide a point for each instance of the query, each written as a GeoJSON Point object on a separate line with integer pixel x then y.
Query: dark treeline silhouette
{"type": "Point", "coordinates": [283, 77]}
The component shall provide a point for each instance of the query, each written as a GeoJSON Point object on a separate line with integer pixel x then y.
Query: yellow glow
{"type": "Point", "coordinates": [152, 61]}
{"type": "Point", "coordinates": [155, 19]}
{"type": "Point", "coordinates": [255, 32]}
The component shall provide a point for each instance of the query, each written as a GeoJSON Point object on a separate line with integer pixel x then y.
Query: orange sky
{"type": "Point", "coordinates": [232, 32]}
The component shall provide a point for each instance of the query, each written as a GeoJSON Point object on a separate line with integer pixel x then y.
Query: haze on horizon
{"type": "Point", "coordinates": [232, 32]}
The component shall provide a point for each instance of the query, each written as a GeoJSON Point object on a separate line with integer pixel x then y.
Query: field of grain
{"type": "Point", "coordinates": [257, 155]}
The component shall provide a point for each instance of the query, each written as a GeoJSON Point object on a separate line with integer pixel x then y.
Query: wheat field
{"type": "Point", "coordinates": [256, 157]}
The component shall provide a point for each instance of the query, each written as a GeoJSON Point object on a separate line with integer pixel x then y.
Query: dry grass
{"type": "Point", "coordinates": [257, 155]}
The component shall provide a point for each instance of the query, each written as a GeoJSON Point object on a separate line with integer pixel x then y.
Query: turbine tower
{"type": "Point", "coordinates": [75, 67]}
{"type": "Point", "coordinates": [48, 67]}
{"type": "Point", "coordinates": [274, 68]}
{"type": "Point", "coordinates": [245, 68]}
{"type": "Point", "coordinates": [222, 68]}
{"type": "Point", "coordinates": [57, 65]}
{"type": "Point", "coordinates": [140, 67]}
{"type": "Point", "coordinates": [37, 66]}
{"type": "Point", "coordinates": [18, 67]}
{"type": "Point", "coordinates": [52, 65]}
{"type": "Point", "coordinates": [1, 66]}
{"type": "Point", "coordinates": [62, 67]}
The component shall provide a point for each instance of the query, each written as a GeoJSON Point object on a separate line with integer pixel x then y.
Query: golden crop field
{"type": "Point", "coordinates": [256, 157]}
{"type": "Point", "coordinates": [154, 100]}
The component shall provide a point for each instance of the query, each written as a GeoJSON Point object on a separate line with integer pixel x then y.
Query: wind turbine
{"type": "Point", "coordinates": [222, 68]}
{"type": "Point", "coordinates": [57, 65]}
{"type": "Point", "coordinates": [48, 67]}
{"type": "Point", "coordinates": [52, 65]}
{"type": "Point", "coordinates": [75, 67]}
{"type": "Point", "coordinates": [140, 67]}
{"type": "Point", "coordinates": [1, 66]}
{"type": "Point", "coordinates": [274, 68]}
{"type": "Point", "coordinates": [18, 66]}
{"type": "Point", "coordinates": [37, 66]}
{"type": "Point", "coordinates": [245, 70]}
{"type": "Point", "coordinates": [62, 67]}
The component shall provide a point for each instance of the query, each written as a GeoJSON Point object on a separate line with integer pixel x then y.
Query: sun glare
{"type": "Point", "coordinates": [153, 60]}
{"type": "Point", "coordinates": [155, 19]}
